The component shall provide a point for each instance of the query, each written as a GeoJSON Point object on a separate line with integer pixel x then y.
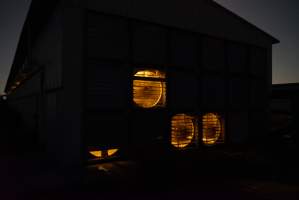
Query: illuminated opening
{"type": "Point", "coordinates": [182, 130]}
{"type": "Point", "coordinates": [212, 129]}
{"type": "Point", "coordinates": [149, 88]}
{"type": "Point", "coordinates": [103, 154]}
{"type": "Point", "coordinates": [150, 74]}
{"type": "Point", "coordinates": [112, 152]}
{"type": "Point", "coordinates": [97, 154]}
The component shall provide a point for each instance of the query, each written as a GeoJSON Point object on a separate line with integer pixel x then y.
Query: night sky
{"type": "Point", "coordinates": [277, 17]}
{"type": "Point", "coordinates": [12, 17]}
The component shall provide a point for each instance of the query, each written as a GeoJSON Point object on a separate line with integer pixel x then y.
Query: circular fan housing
{"type": "Point", "coordinates": [182, 130]}
{"type": "Point", "coordinates": [211, 128]}
{"type": "Point", "coordinates": [148, 88]}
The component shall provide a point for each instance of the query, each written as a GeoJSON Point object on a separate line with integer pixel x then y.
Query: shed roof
{"type": "Point", "coordinates": [36, 18]}
{"type": "Point", "coordinates": [274, 40]}
{"type": "Point", "coordinates": [151, 10]}
{"type": "Point", "coordinates": [202, 16]}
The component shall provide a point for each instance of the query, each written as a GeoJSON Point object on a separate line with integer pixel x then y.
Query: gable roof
{"type": "Point", "coordinates": [202, 16]}
{"type": "Point", "coordinates": [38, 13]}
{"type": "Point", "coordinates": [193, 18]}
{"type": "Point", "coordinates": [274, 40]}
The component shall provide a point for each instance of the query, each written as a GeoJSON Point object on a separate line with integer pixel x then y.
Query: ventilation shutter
{"type": "Point", "coordinates": [212, 129]}
{"type": "Point", "coordinates": [183, 130]}
{"type": "Point", "coordinates": [105, 87]}
{"type": "Point", "coordinates": [149, 89]}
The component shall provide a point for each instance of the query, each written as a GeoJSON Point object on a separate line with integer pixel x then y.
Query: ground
{"type": "Point", "coordinates": [211, 175]}
{"type": "Point", "coordinates": [266, 171]}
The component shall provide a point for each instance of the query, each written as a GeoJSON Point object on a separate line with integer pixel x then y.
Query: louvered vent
{"type": "Point", "coordinates": [212, 129]}
{"type": "Point", "coordinates": [149, 89]}
{"type": "Point", "coordinates": [183, 130]}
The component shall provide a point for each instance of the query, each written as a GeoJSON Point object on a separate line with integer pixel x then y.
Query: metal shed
{"type": "Point", "coordinates": [81, 66]}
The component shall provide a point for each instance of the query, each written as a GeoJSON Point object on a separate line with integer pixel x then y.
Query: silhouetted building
{"type": "Point", "coordinates": [128, 77]}
{"type": "Point", "coordinates": [285, 110]}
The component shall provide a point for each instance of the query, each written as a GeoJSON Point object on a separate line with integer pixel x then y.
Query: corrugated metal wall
{"type": "Point", "coordinates": [36, 98]}
{"type": "Point", "coordinates": [203, 74]}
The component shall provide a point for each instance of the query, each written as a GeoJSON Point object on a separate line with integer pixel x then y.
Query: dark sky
{"type": "Point", "coordinates": [12, 16]}
{"type": "Point", "coordinates": [277, 17]}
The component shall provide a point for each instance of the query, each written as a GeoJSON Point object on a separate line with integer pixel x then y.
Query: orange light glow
{"type": "Point", "coordinates": [102, 154]}
{"type": "Point", "coordinates": [182, 130]}
{"type": "Point", "coordinates": [111, 152]}
{"type": "Point", "coordinates": [97, 154]}
{"type": "Point", "coordinates": [150, 74]}
{"type": "Point", "coordinates": [148, 88]}
{"type": "Point", "coordinates": [212, 128]}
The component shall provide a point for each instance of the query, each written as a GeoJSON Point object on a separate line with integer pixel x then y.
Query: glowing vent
{"type": "Point", "coordinates": [182, 130]}
{"type": "Point", "coordinates": [149, 89]}
{"type": "Point", "coordinates": [212, 131]}
{"type": "Point", "coordinates": [102, 154]}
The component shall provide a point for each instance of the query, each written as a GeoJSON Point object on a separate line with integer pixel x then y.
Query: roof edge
{"type": "Point", "coordinates": [23, 38]}
{"type": "Point", "coordinates": [20, 44]}
{"type": "Point", "coordinates": [274, 40]}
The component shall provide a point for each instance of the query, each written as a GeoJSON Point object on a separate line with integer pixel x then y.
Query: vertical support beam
{"type": "Point", "coordinates": [199, 74]}
{"type": "Point", "coordinates": [227, 107]}
{"type": "Point", "coordinates": [72, 81]}
{"type": "Point", "coordinates": [268, 89]}
{"type": "Point", "coordinates": [129, 71]}
{"type": "Point", "coordinates": [42, 103]}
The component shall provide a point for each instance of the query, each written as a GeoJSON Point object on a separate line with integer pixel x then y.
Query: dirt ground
{"type": "Point", "coordinates": [267, 171]}
{"type": "Point", "coordinates": [196, 175]}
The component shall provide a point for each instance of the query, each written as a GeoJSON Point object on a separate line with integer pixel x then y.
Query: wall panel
{"type": "Point", "coordinates": [258, 62]}
{"type": "Point", "coordinates": [237, 125]}
{"type": "Point", "coordinates": [237, 56]}
{"type": "Point", "coordinates": [213, 54]}
{"type": "Point", "coordinates": [184, 49]}
{"type": "Point", "coordinates": [106, 86]}
{"type": "Point", "coordinates": [258, 93]}
{"type": "Point", "coordinates": [214, 91]}
{"type": "Point", "coordinates": [149, 43]}
{"type": "Point", "coordinates": [183, 90]}
{"type": "Point", "coordinates": [239, 92]}
{"type": "Point", "coordinates": [107, 36]}
{"type": "Point", "coordinates": [106, 129]}
{"type": "Point", "coordinates": [148, 128]}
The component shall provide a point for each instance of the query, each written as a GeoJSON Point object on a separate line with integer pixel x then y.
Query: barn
{"type": "Point", "coordinates": [96, 80]}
